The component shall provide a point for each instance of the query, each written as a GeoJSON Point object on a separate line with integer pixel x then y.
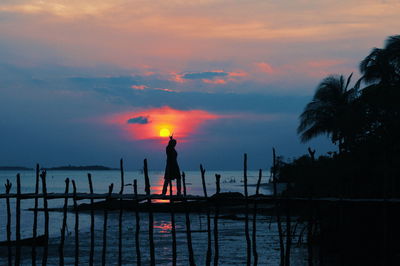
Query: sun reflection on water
{"type": "Point", "coordinates": [163, 227]}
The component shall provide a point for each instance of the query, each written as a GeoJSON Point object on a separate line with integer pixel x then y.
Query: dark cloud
{"type": "Point", "coordinates": [138, 120]}
{"type": "Point", "coordinates": [205, 75]}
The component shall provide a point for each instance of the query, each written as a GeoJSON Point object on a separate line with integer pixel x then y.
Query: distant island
{"type": "Point", "coordinates": [14, 168]}
{"type": "Point", "coordinates": [81, 168]}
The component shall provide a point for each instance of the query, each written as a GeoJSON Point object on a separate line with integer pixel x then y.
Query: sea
{"type": "Point", "coordinates": [232, 243]}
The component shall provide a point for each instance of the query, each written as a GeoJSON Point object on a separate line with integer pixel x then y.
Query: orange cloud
{"type": "Point", "coordinates": [167, 90]}
{"type": "Point", "coordinates": [265, 67]}
{"type": "Point", "coordinates": [139, 87]}
{"type": "Point", "coordinates": [177, 77]}
{"type": "Point", "coordinates": [214, 81]}
{"type": "Point", "coordinates": [237, 74]}
{"type": "Point", "coordinates": [147, 124]}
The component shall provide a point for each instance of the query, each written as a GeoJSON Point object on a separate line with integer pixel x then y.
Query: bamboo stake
{"type": "Point", "coordinates": [151, 218]}
{"type": "Point", "coordinates": [18, 223]}
{"type": "Point", "coordinates": [76, 225]}
{"type": "Point", "coordinates": [208, 257]}
{"type": "Point", "coordinates": [246, 226]}
{"type": "Point", "coordinates": [35, 214]}
{"type": "Point", "coordinates": [320, 250]}
{"type": "Point", "coordinates": [277, 207]}
{"type": "Point", "coordinates": [120, 214]}
{"type": "Point", "coordinates": [309, 238]}
{"type": "Point", "coordinates": [46, 218]}
{"type": "Point", "coordinates": [91, 254]}
{"type": "Point", "coordinates": [187, 218]}
{"type": "Point", "coordinates": [310, 219]}
{"type": "Point", "coordinates": [288, 235]}
{"type": "Point", "coordinates": [8, 186]}
{"type": "Point", "coordinates": [255, 254]}
{"type": "Point", "coordinates": [64, 224]}
{"type": "Point", "coordinates": [216, 214]}
{"type": "Point", "coordinates": [138, 256]}
{"type": "Point", "coordinates": [173, 229]}
{"type": "Point", "coordinates": [103, 257]}
{"type": "Point", "coordinates": [203, 180]}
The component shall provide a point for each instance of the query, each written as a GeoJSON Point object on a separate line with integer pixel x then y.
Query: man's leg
{"type": "Point", "coordinates": [178, 186]}
{"type": "Point", "coordinates": [165, 187]}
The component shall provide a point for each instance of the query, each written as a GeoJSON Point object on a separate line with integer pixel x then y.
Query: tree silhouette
{"type": "Point", "coordinates": [328, 112]}
{"type": "Point", "coordinates": [382, 65]}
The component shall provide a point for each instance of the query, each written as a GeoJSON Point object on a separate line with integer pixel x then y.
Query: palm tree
{"type": "Point", "coordinates": [328, 112]}
{"type": "Point", "coordinates": [382, 65]}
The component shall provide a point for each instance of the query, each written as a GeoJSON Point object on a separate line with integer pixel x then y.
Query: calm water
{"type": "Point", "coordinates": [232, 241]}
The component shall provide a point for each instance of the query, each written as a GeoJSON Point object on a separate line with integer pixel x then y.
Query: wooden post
{"type": "Point", "coordinates": [288, 234]}
{"type": "Point", "coordinates": [18, 223]}
{"type": "Point", "coordinates": [121, 162]}
{"type": "Point", "coordinates": [208, 256]}
{"type": "Point", "coordinates": [310, 218]}
{"type": "Point", "coordinates": [187, 219]}
{"type": "Point", "coordinates": [76, 225]}
{"type": "Point", "coordinates": [46, 218]}
{"type": "Point", "coordinates": [216, 214]}
{"type": "Point", "coordinates": [218, 183]}
{"type": "Point", "coordinates": [91, 254]}
{"type": "Point", "coordinates": [121, 168]}
{"type": "Point", "coordinates": [64, 224]}
{"type": "Point", "coordinates": [151, 218]}
{"type": "Point", "coordinates": [273, 173]}
{"type": "Point", "coordinates": [255, 254]}
{"type": "Point", "coordinates": [277, 207]}
{"type": "Point", "coordinates": [8, 186]}
{"type": "Point", "coordinates": [173, 229]}
{"type": "Point", "coordinates": [203, 180]}
{"type": "Point", "coordinates": [138, 256]}
{"type": "Point", "coordinates": [35, 214]}
{"type": "Point", "coordinates": [321, 235]}
{"type": "Point", "coordinates": [184, 183]}
{"type": "Point", "coordinates": [246, 224]}
{"type": "Point", "coordinates": [309, 238]}
{"type": "Point", "coordinates": [103, 257]}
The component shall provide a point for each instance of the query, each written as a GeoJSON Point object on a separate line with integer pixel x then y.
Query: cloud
{"type": "Point", "coordinates": [265, 67]}
{"type": "Point", "coordinates": [142, 120]}
{"type": "Point", "coordinates": [238, 74]}
{"type": "Point", "coordinates": [214, 81]}
{"type": "Point", "coordinates": [205, 75]}
{"type": "Point", "coordinates": [210, 77]}
{"type": "Point", "coordinates": [167, 90]}
{"type": "Point", "coordinates": [61, 8]}
{"type": "Point", "coordinates": [139, 87]}
{"type": "Point", "coordinates": [182, 123]}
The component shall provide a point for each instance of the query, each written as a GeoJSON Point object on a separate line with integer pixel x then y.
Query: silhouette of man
{"type": "Point", "coordinates": [172, 170]}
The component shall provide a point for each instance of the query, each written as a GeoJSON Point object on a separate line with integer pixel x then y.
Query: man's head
{"type": "Point", "coordinates": [172, 142]}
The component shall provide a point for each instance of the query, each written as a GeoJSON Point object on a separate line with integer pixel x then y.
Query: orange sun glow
{"type": "Point", "coordinates": [160, 123]}
{"type": "Point", "coordinates": [164, 132]}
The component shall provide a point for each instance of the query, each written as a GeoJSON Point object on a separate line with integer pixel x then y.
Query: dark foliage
{"type": "Point", "coordinates": [365, 123]}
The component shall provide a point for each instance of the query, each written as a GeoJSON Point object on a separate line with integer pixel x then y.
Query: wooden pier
{"type": "Point", "coordinates": [282, 207]}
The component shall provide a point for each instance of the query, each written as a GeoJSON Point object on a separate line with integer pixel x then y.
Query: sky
{"type": "Point", "coordinates": [89, 82]}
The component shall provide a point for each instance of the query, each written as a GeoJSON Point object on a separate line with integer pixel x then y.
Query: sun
{"type": "Point", "coordinates": [164, 132]}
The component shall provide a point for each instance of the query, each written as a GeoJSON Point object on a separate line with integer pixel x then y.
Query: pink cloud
{"type": "Point", "coordinates": [149, 122]}
{"type": "Point", "coordinates": [177, 77]}
{"type": "Point", "coordinates": [139, 87]}
{"type": "Point", "coordinates": [237, 74]}
{"type": "Point", "coordinates": [265, 67]}
{"type": "Point", "coordinates": [168, 90]}
{"type": "Point", "coordinates": [214, 81]}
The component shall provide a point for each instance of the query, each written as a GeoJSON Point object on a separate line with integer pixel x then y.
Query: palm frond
{"type": "Point", "coordinates": [348, 81]}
